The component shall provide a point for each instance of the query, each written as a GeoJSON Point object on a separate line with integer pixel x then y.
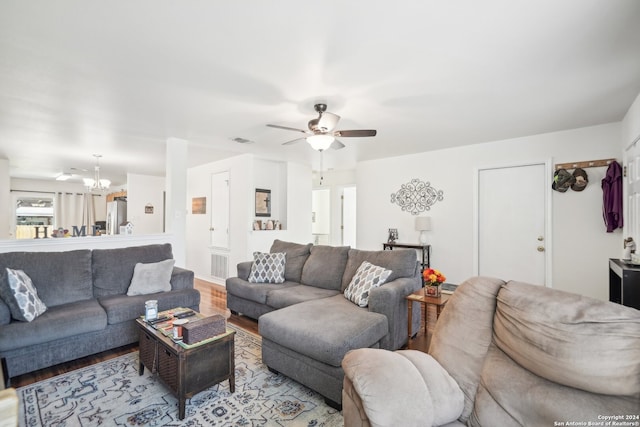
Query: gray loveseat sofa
{"type": "Point", "coordinates": [306, 323]}
{"type": "Point", "coordinates": [88, 309]}
{"type": "Point", "coordinates": [505, 354]}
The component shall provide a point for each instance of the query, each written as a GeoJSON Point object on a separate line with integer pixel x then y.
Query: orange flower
{"type": "Point", "coordinates": [433, 277]}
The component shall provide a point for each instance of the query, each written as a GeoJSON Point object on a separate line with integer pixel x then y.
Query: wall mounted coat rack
{"type": "Point", "coordinates": [585, 164]}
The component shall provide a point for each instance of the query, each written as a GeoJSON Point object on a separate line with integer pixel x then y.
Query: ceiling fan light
{"type": "Point", "coordinates": [105, 183]}
{"type": "Point", "coordinates": [88, 182]}
{"type": "Point", "coordinates": [320, 142]}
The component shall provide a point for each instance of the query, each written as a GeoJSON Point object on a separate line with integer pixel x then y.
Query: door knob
{"type": "Point", "coordinates": [211, 229]}
{"type": "Point", "coordinates": [540, 248]}
{"type": "Point", "coordinates": [540, 238]}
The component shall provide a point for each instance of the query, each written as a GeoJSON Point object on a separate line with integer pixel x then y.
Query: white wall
{"type": "Point", "coordinates": [5, 200]}
{"type": "Point", "coordinates": [241, 199]}
{"type": "Point", "coordinates": [270, 175]}
{"type": "Point", "coordinates": [631, 124]}
{"type": "Point", "coordinates": [299, 206]}
{"type": "Point", "coordinates": [581, 246]}
{"type": "Point", "coordinates": [297, 180]}
{"type": "Point", "coordinates": [145, 190]}
{"type": "Point", "coordinates": [294, 182]}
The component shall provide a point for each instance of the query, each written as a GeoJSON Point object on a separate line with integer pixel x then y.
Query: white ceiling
{"type": "Point", "coordinates": [119, 77]}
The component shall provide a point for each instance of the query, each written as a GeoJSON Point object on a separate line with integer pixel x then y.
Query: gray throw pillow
{"type": "Point", "coordinates": [296, 256]}
{"type": "Point", "coordinates": [267, 268]}
{"type": "Point", "coordinates": [151, 278]}
{"type": "Point", "coordinates": [21, 296]}
{"type": "Point", "coordinates": [367, 277]}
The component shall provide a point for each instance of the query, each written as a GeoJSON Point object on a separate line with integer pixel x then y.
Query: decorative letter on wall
{"type": "Point", "coordinates": [416, 196]}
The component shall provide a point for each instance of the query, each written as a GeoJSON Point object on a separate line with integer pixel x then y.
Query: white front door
{"type": "Point", "coordinates": [512, 223]}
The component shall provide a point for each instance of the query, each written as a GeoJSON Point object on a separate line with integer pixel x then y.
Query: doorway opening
{"type": "Point", "coordinates": [333, 216]}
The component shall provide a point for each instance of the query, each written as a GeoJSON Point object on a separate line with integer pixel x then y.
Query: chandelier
{"type": "Point", "coordinates": [96, 184]}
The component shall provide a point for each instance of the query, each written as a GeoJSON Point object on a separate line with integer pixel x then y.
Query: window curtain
{"type": "Point", "coordinates": [74, 209]}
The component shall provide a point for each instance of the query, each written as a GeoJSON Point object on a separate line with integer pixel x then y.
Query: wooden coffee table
{"type": "Point", "coordinates": [187, 370]}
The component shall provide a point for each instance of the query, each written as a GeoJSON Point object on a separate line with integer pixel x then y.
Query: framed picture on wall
{"type": "Point", "coordinates": [199, 205]}
{"type": "Point", "coordinates": [263, 202]}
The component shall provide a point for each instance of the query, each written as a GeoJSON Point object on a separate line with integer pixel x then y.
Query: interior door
{"type": "Point", "coordinates": [632, 220]}
{"type": "Point", "coordinates": [512, 223]}
{"type": "Point", "coordinates": [220, 210]}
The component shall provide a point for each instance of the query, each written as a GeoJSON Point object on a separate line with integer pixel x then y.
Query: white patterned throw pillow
{"type": "Point", "coordinates": [267, 268]}
{"type": "Point", "coordinates": [22, 296]}
{"type": "Point", "coordinates": [367, 277]}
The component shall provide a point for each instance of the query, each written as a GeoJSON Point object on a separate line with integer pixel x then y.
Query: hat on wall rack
{"type": "Point", "coordinates": [562, 180]}
{"type": "Point", "coordinates": [581, 180]}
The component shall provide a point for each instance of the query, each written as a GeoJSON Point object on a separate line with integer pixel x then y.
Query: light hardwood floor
{"type": "Point", "coordinates": [213, 300]}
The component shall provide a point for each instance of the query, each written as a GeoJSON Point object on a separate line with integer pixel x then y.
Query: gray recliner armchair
{"type": "Point", "coordinates": [504, 354]}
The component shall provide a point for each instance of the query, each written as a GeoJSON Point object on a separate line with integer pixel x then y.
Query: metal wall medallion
{"type": "Point", "coordinates": [416, 196]}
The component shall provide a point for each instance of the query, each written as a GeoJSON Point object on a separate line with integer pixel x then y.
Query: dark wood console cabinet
{"type": "Point", "coordinates": [624, 283]}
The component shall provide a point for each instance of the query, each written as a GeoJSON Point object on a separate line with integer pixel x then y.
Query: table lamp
{"type": "Point", "coordinates": [423, 224]}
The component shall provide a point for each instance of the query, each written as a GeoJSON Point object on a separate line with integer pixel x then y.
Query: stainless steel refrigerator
{"type": "Point", "coordinates": [116, 215]}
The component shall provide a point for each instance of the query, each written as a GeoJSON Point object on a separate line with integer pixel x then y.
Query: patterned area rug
{"type": "Point", "coordinates": [111, 393]}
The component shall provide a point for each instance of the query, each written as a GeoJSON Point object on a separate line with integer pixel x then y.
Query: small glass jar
{"type": "Point", "coordinates": [151, 310]}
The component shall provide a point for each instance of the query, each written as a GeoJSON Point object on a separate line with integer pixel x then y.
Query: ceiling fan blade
{"type": "Point", "coordinates": [336, 145]}
{"type": "Point", "coordinates": [293, 141]}
{"type": "Point", "coordinates": [355, 133]}
{"type": "Point", "coordinates": [288, 128]}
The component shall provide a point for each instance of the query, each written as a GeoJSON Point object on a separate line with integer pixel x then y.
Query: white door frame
{"type": "Point", "coordinates": [548, 243]}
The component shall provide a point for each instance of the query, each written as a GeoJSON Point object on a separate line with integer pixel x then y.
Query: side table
{"type": "Point", "coordinates": [419, 297]}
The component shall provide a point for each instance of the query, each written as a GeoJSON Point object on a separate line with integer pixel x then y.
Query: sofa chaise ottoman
{"type": "Point", "coordinates": [308, 324]}
{"type": "Point", "coordinates": [88, 309]}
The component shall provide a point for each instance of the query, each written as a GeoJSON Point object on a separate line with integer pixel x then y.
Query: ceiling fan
{"type": "Point", "coordinates": [321, 134]}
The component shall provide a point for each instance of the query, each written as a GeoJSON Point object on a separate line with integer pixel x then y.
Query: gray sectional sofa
{"type": "Point", "coordinates": [87, 307]}
{"type": "Point", "coordinates": [306, 323]}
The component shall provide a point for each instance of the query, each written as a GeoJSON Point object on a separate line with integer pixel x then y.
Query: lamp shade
{"type": "Point", "coordinates": [423, 223]}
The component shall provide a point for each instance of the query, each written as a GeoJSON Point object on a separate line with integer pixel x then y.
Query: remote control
{"type": "Point", "coordinates": [184, 314]}
{"type": "Point", "coordinates": [158, 320]}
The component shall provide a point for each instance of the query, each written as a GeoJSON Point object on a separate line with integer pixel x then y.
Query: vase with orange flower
{"type": "Point", "coordinates": [433, 280]}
